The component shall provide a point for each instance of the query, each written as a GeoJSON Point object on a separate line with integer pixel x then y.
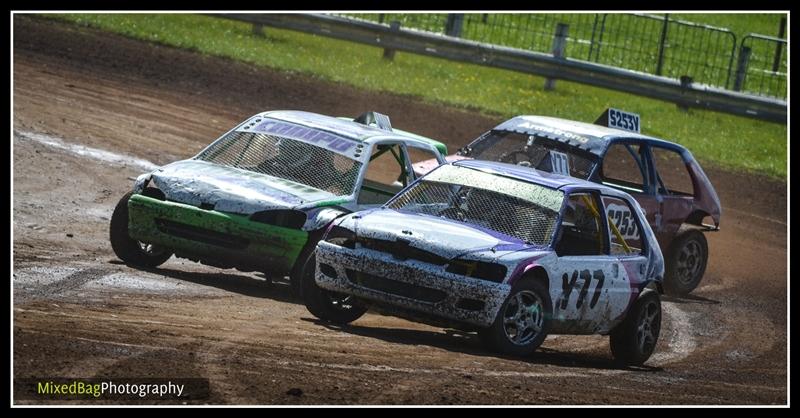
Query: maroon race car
{"type": "Point", "coordinates": [679, 200]}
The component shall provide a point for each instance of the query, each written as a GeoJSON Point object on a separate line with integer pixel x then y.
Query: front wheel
{"type": "Point", "coordinates": [634, 340]}
{"type": "Point", "coordinates": [686, 263]}
{"type": "Point", "coordinates": [128, 249]}
{"type": "Point", "coordinates": [523, 321]}
{"type": "Point", "coordinates": [326, 305]}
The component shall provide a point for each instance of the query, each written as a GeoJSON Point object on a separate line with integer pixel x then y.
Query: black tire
{"type": "Point", "coordinates": [635, 339]}
{"type": "Point", "coordinates": [686, 263]}
{"type": "Point", "coordinates": [305, 266]}
{"type": "Point", "coordinates": [329, 306]}
{"type": "Point", "coordinates": [504, 337]}
{"type": "Point", "coordinates": [127, 249]}
{"type": "Point", "coordinates": [296, 280]}
{"type": "Point", "coordinates": [305, 260]}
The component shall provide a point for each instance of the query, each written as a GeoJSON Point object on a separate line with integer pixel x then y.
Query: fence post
{"type": "Point", "coordinates": [661, 45]}
{"type": "Point", "coordinates": [559, 44]}
{"type": "Point", "coordinates": [686, 82]}
{"type": "Point", "coordinates": [594, 30]}
{"type": "Point", "coordinates": [258, 29]}
{"type": "Point", "coordinates": [599, 40]}
{"type": "Point", "coordinates": [381, 17]}
{"type": "Point", "coordinates": [453, 25]}
{"type": "Point", "coordinates": [776, 64]}
{"type": "Point", "coordinates": [388, 53]}
{"type": "Point", "coordinates": [741, 68]}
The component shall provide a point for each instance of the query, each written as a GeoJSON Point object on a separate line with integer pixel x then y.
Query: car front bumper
{"type": "Point", "coordinates": [225, 238]}
{"type": "Point", "coordinates": [410, 284]}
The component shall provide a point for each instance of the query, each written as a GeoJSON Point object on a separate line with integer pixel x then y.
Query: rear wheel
{"type": "Point", "coordinates": [329, 306]}
{"type": "Point", "coordinates": [128, 249]}
{"type": "Point", "coordinates": [634, 340]}
{"type": "Point", "coordinates": [523, 321]}
{"type": "Point", "coordinates": [686, 263]}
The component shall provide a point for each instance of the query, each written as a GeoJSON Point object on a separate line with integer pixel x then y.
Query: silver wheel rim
{"type": "Point", "coordinates": [523, 317]}
{"type": "Point", "coordinates": [647, 328]}
{"type": "Point", "coordinates": [689, 261]}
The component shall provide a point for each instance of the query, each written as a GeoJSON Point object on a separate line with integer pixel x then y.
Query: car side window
{"type": "Point", "coordinates": [419, 154]}
{"type": "Point", "coordinates": [386, 175]}
{"type": "Point", "coordinates": [622, 167]}
{"type": "Point", "coordinates": [623, 227]}
{"type": "Point", "coordinates": [672, 172]}
{"type": "Point", "coordinates": [581, 231]}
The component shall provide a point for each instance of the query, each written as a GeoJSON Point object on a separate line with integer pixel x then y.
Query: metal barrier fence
{"type": "Point", "coordinates": [765, 70]}
{"type": "Point", "coordinates": [666, 47]}
{"type": "Point", "coordinates": [651, 44]}
{"type": "Point", "coordinates": [684, 91]}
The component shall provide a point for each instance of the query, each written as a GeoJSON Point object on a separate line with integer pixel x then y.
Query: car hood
{"type": "Point", "coordinates": [443, 237]}
{"type": "Point", "coordinates": [231, 189]}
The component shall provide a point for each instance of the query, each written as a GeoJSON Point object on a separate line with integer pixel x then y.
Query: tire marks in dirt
{"type": "Point", "coordinates": [69, 283]}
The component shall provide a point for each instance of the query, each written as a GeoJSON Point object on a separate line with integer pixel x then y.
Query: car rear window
{"type": "Point", "coordinates": [285, 158]}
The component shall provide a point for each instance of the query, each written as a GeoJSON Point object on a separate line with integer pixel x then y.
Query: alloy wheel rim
{"type": "Point", "coordinates": [647, 328]}
{"type": "Point", "coordinates": [689, 261]}
{"type": "Point", "coordinates": [523, 317]}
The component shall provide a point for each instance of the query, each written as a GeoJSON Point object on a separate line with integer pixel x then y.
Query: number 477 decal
{"type": "Point", "coordinates": [567, 284]}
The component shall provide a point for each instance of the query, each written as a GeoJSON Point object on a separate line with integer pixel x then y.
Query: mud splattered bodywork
{"type": "Point", "coordinates": [663, 177]}
{"type": "Point", "coordinates": [259, 197]}
{"type": "Point", "coordinates": [456, 242]}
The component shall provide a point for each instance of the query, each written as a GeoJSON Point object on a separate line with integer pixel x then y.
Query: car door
{"type": "Point", "coordinates": [421, 155]}
{"type": "Point", "coordinates": [629, 246]}
{"type": "Point", "coordinates": [594, 291]}
{"type": "Point", "coordinates": [674, 190]}
{"type": "Point", "coordinates": [386, 174]}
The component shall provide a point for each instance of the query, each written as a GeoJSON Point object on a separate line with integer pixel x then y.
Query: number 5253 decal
{"type": "Point", "coordinates": [624, 221]}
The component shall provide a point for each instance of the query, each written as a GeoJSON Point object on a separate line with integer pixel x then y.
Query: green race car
{"type": "Point", "coordinates": [260, 197]}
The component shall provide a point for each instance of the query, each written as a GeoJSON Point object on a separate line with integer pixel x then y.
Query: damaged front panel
{"type": "Point", "coordinates": [447, 253]}
{"type": "Point", "coordinates": [223, 237]}
{"type": "Point", "coordinates": [428, 288]}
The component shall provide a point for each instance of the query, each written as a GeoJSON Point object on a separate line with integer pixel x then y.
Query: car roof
{"type": "Point", "coordinates": [344, 127]}
{"type": "Point", "coordinates": [531, 175]}
{"type": "Point", "coordinates": [586, 136]}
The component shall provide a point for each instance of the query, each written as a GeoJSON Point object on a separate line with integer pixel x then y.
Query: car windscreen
{"type": "Point", "coordinates": [286, 158]}
{"type": "Point", "coordinates": [515, 208]}
{"type": "Point", "coordinates": [529, 150]}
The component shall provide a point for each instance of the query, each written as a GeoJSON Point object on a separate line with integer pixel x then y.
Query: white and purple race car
{"type": "Point", "coordinates": [513, 253]}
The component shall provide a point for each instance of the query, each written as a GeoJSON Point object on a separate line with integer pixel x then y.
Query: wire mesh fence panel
{"type": "Point", "coordinates": [430, 22]}
{"type": "Point", "coordinates": [702, 52]}
{"type": "Point", "coordinates": [653, 44]}
{"type": "Point", "coordinates": [627, 41]}
{"type": "Point", "coordinates": [767, 69]}
{"type": "Point", "coordinates": [532, 32]}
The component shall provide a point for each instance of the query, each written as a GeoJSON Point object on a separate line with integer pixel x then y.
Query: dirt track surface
{"type": "Point", "coordinates": [79, 312]}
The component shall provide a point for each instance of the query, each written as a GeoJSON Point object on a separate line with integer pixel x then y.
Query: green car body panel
{"type": "Point", "coordinates": [231, 237]}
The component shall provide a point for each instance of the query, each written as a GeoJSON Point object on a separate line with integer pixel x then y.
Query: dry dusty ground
{"type": "Point", "coordinates": [78, 312]}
